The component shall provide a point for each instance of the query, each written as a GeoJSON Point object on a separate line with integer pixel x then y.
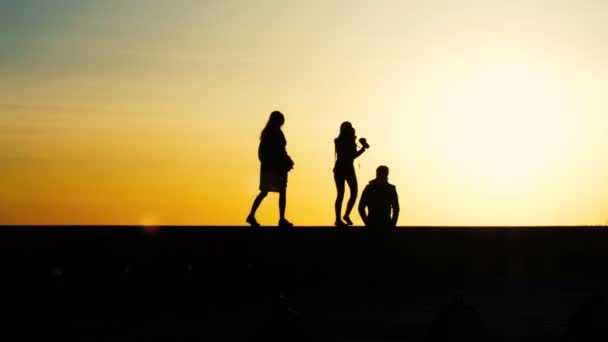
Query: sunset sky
{"type": "Point", "coordinates": [149, 112]}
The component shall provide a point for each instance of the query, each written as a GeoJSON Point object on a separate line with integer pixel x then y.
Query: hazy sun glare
{"type": "Point", "coordinates": [504, 125]}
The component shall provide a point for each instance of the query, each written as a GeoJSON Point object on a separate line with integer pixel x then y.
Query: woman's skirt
{"type": "Point", "coordinates": [273, 180]}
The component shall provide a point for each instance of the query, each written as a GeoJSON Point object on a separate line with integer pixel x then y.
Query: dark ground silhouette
{"type": "Point", "coordinates": [590, 321]}
{"type": "Point", "coordinates": [193, 284]}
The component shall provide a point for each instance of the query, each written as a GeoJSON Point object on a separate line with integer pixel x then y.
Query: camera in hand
{"type": "Point", "coordinates": [363, 142]}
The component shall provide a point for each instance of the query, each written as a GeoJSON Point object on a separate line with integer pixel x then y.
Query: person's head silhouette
{"type": "Point", "coordinates": [276, 120]}
{"type": "Point", "coordinates": [382, 173]}
{"type": "Point", "coordinates": [274, 124]}
{"type": "Point", "coordinates": [347, 130]}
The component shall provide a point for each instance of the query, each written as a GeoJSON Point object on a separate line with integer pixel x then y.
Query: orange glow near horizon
{"type": "Point", "coordinates": [486, 112]}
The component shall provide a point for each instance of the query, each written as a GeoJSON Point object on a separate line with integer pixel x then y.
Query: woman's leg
{"type": "Point", "coordinates": [282, 204]}
{"type": "Point", "coordinates": [352, 185]}
{"type": "Point", "coordinates": [256, 204]}
{"type": "Point", "coordinates": [340, 196]}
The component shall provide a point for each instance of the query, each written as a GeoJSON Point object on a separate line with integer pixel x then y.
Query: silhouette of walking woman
{"type": "Point", "coordinates": [275, 164]}
{"type": "Point", "coordinates": [344, 170]}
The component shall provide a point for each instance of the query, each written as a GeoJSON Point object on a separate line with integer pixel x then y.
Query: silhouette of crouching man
{"type": "Point", "coordinates": [380, 198]}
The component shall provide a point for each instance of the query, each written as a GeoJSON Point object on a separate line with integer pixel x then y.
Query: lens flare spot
{"type": "Point", "coordinates": [150, 224]}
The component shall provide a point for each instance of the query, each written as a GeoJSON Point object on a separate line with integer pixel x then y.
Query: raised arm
{"type": "Point", "coordinates": [360, 152]}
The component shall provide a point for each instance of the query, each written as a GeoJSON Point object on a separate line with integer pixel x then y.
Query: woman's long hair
{"type": "Point", "coordinates": [347, 135]}
{"type": "Point", "coordinates": [275, 121]}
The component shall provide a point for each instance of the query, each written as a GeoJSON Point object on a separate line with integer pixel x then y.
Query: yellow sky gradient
{"type": "Point", "coordinates": [486, 112]}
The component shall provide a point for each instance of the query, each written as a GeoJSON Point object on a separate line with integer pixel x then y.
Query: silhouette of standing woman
{"type": "Point", "coordinates": [276, 163]}
{"type": "Point", "coordinates": [344, 170]}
